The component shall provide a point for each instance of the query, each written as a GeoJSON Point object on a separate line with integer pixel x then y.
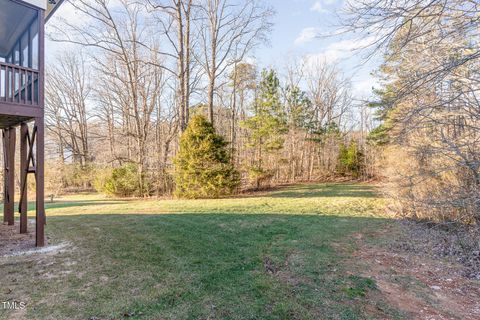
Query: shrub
{"type": "Point", "coordinates": [77, 177]}
{"type": "Point", "coordinates": [121, 182]}
{"type": "Point", "coordinates": [102, 175]}
{"type": "Point", "coordinates": [203, 167]}
{"type": "Point", "coordinates": [350, 160]}
{"type": "Point", "coordinates": [67, 177]}
{"type": "Point", "coordinates": [54, 178]}
{"type": "Point", "coordinates": [260, 176]}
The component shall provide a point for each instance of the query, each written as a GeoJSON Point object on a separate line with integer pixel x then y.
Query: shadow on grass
{"type": "Point", "coordinates": [59, 204]}
{"type": "Point", "coordinates": [328, 190]}
{"type": "Point", "coordinates": [190, 265]}
{"type": "Point", "coordinates": [249, 265]}
{"type": "Point", "coordinates": [145, 237]}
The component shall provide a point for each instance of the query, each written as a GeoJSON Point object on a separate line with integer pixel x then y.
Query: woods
{"type": "Point", "coordinates": [145, 69]}
{"type": "Point", "coordinates": [428, 103]}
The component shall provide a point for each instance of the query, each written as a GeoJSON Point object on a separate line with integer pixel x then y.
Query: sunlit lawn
{"type": "Point", "coordinates": [332, 199]}
{"type": "Point", "coordinates": [280, 255]}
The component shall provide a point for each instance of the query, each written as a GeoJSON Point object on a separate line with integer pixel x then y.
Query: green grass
{"type": "Point", "coordinates": [330, 199]}
{"type": "Point", "coordinates": [280, 255]}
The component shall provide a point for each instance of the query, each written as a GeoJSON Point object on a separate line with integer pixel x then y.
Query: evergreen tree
{"type": "Point", "coordinates": [203, 167]}
{"type": "Point", "coordinates": [298, 107]}
{"type": "Point", "coordinates": [350, 160]}
{"type": "Point", "coordinates": [267, 125]}
{"type": "Point", "coordinates": [379, 136]}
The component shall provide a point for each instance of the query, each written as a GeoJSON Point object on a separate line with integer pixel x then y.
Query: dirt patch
{"type": "Point", "coordinates": [421, 286]}
{"type": "Point", "coordinates": [44, 250]}
{"type": "Point", "coordinates": [23, 266]}
{"type": "Point", "coordinates": [11, 241]}
{"type": "Point", "coordinates": [285, 272]}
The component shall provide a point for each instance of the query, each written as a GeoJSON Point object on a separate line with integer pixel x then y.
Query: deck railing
{"type": "Point", "coordinates": [18, 85]}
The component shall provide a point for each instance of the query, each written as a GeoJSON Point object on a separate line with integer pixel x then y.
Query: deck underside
{"type": "Point", "coordinates": [7, 121]}
{"type": "Point", "coordinates": [13, 115]}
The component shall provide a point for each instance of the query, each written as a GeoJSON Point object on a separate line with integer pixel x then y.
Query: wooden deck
{"type": "Point", "coordinates": [22, 103]}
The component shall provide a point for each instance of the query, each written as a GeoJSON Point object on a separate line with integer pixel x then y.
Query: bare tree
{"type": "Point", "coordinates": [228, 31]}
{"type": "Point", "coordinates": [175, 19]}
{"type": "Point", "coordinates": [242, 80]}
{"type": "Point", "coordinates": [429, 101]}
{"type": "Point", "coordinates": [146, 64]}
{"type": "Point", "coordinates": [331, 100]}
{"type": "Point", "coordinates": [328, 91]}
{"type": "Point", "coordinates": [127, 60]}
{"type": "Point", "coordinates": [395, 25]}
{"type": "Point", "coordinates": [67, 91]}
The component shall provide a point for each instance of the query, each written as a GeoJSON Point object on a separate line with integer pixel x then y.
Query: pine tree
{"type": "Point", "coordinates": [267, 126]}
{"type": "Point", "coordinates": [203, 167]}
{"type": "Point", "coordinates": [350, 160]}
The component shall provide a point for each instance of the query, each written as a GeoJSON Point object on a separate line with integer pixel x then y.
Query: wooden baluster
{"type": "Point", "coordinates": [32, 91]}
{"type": "Point", "coordinates": [7, 92]}
{"type": "Point", "coordinates": [22, 90]}
{"type": "Point", "coordinates": [22, 84]}
{"type": "Point", "coordinates": [19, 92]}
{"type": "Point", "coordinates": [14, 83]}
{"type": "Point", "coordinates": [2, 83]}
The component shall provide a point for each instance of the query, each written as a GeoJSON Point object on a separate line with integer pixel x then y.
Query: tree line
{"type": "Point", "coordinates": [118, 103]}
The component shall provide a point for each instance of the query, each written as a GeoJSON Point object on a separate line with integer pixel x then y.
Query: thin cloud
{"type": "Point", "coordinates": [306, 35]}
{"type": "Point", "coordinates": [341, 50]}
{"type": "Point", "coordinates": [318, 7]}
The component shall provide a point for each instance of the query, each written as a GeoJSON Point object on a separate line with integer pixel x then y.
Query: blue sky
{"type": "Point", "coordinates": [297, 24]}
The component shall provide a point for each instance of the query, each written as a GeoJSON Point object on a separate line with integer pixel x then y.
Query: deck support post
{"type": "Point", "coordinates": [39, 177]}
{"type": "Point", "coordinates": [9, 137]}
{"type": "Point", "coordinates": [40, 146]}
{"type": "Point", "coordinates": [5, 143]}
{"type": "Point", "coordinates": [24, 164]}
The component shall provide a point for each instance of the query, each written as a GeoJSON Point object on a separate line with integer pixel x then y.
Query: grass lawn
{"type": "Point", "coordinates": [285, 254]}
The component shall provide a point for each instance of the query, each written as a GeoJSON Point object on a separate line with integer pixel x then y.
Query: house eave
{"type": "Point", "coordinates": [49, 6]}
{"type": "Point", "coordinates": [42, 4]}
